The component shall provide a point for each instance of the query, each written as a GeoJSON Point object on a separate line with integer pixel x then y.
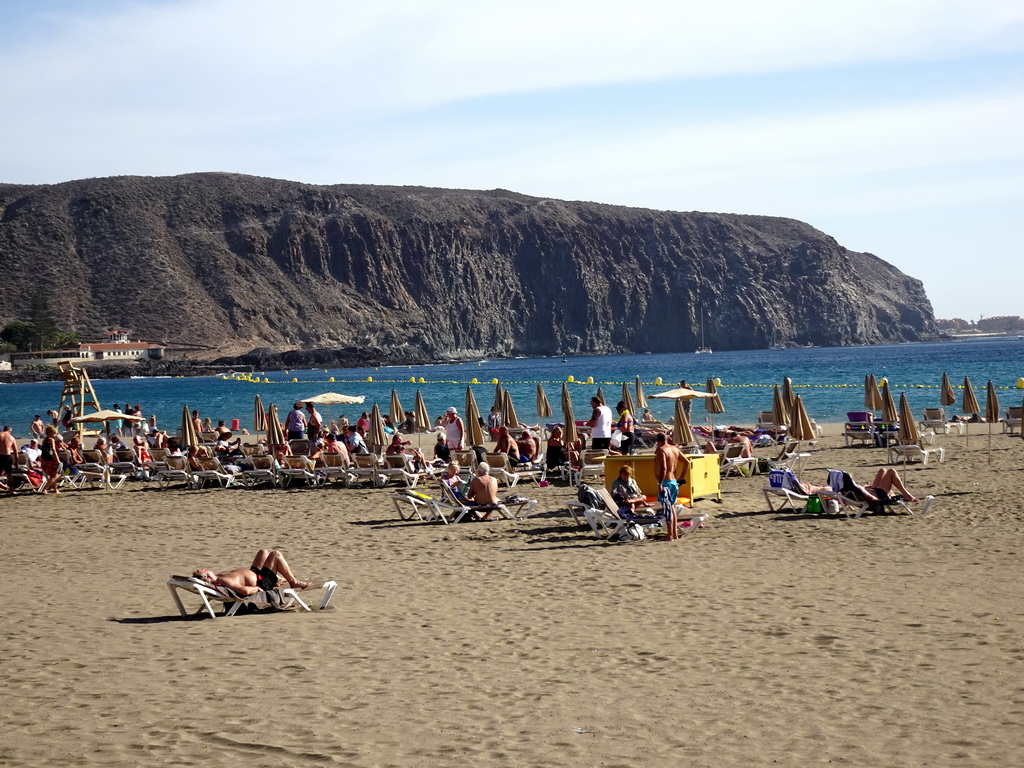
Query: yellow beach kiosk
{"type": "Point", "coordinates": [699, 479]}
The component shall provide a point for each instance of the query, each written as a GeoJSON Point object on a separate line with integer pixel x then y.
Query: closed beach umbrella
{"type": "Point", "coordinates": [275, 432]}
{"type": "Point", "coordinates": [788, 397]}
{"type": "Point", "coordinates": [474, 434]}
{"type": "Point", "coordinates": [681, 432]}
{"type": "Point", "coordinates": [947, 396]}
{"type": "Point", "coordinates": [543, 406]}
{"type": "Point", "coordinates": [499, 398]}
{"type": "Point", "coordinates": [627, 398]}
{"type": "Point", "coordinates": [188, 429]}
{"type": "Point", "coordinates": [908, 434]}
{"type": "Point", "coordinates": [641, 401]}
{"type": "Point", "coordinates": [780, 413]}
{"type": "Point", "coordinates": [713, 404]}
{"type": "Point", "coordinates": [872, 397]}
{"type": "Point", "coordinates": [800, 427]}
{"type": "Point", "coordinates": [508, 411]}
{"type": "Point", "coordinates": [378, 439]}
{"type": "Point", "coordinates": [571, 435]}
{"type": "Point", "coordinates": [969, 407]}
{"type": "Point", "coordinates": [889, 413]}
{"type": "Point", "coordinates": [396, 412]}
{"type": "Point", "coordinates": [420, 413]}
{"type": "Point", "coordinates": [991, 413]}
{"type": "Point", "coordinates": [259, 416]}
{"type": "Point", "coordinates": [600, 396]}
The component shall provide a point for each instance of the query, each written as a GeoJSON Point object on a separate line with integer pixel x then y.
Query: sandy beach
{"type": "Point", "coordinates": [766, 638]}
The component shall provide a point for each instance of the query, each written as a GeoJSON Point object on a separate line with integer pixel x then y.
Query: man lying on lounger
{"type": "Point", "coordinates": [261, 575]}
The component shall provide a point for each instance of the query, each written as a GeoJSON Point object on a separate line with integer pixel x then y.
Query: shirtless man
{"type": "Point", "coordinates": [667, 459]}
{"type": "Point", "coordinates": [483, 489]}
{"type": "Point", "coordinates": [262, 574]}
{"type": "Point", "coordinates": [8, 452]}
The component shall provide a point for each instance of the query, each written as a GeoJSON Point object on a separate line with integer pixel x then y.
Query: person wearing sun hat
{"type": "Point", "coordinates": [454, 429]}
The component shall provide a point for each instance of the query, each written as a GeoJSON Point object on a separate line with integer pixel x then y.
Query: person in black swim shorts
{"type": "Point", "coordinates": [263, 574]}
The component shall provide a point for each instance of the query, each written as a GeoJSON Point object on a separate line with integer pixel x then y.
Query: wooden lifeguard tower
{"type": "Point", "coordinates": [78, 393]}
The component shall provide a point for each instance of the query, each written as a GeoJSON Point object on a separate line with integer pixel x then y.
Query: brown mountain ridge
{"type": "Point", "coordinates": [232, 263]}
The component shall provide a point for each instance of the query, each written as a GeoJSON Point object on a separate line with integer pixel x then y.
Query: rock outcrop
{"type": "Point", "coordinates": [232, 263]}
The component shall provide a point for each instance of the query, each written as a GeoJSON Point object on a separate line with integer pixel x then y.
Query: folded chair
{"type": "Point", "coordinates": [276, 598]}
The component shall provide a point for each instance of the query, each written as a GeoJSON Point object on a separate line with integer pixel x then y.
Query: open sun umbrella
{"type": "Point", "coordinates": [872, 397]}
{"type": "Point", "coordinates": [105, 417]}
{"type": "Point", "coordinates": [378, 437]}
{"type": "Point", "coordinates": [628, 399]}
{"type": "Point", "coordinates": [682, 393]}
{"type": "Point", "coordinates": [474, 434]}
{"type": "Point", "coordinates": [641, 400]}
{"type": "Point", "coordinates": [543, 406]}
{"type": "Point", "coordinates": [259, 416]}
{"type": "Point", "coordinates": [681, 433]}
{"type": "Point", "coordinates": [275, 432]}
{"type": "Point", "coordinates": [571, 435]}
{"type": "Point", "coordinates": [947, 396]}
{"type": "Point", "coordinates": [395, 412]}
{"type": "Point", "coordinates": [969, 407]}
{"type": "Point", "coordinates": [509, 412]}
{"type": "Point", "coordinates": [991, 413]}
{"type": "Point", "coordinates": [188, 429]}
{"type": "Point", "coordinates": [333, 398]}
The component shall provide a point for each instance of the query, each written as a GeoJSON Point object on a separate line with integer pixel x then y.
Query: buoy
{"type": "Point", "coordinates": [266, 380]}
{"type": "Point", "coordinates": [325, 370]}
{"type": "Point", "coordinates": [657, 381]}
{"type": "Point", "coordinates": [590, 379]}
{"type": "Point", "coordinates": [294, 380]}
{"type": "Point", "coordinates": [494, 381]}
{"type": "Point", "coordinates": [286, 373]}
{"type": "Point", "coordinates": [370, 378]}
{"type": "Point", "coordinates": [1020, 383]}
{"type": "Point", "coordinates": [422, 380]}
{"type": "Point", "coordinates": [718, 382]}
{"type": "Point", "coordinates": [332, 378]}
{"type": "Point", "coordinates": [412, 379]}
{"type": "Point", "coordinates": [474, 381]}
{"type": "Point", "coordinates": [235, 426]}
{"type": "Point", "coordinates": [570, 379]}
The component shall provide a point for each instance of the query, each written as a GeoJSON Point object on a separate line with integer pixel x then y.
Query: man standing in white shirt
{"type": "Point", "coordinates": [454, 430]}
{"type": "Point", "coordinates": [600, 425]}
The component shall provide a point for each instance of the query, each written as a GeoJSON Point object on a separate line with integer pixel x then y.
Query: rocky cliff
{"type": "Point", "coordinates": [235, 262]}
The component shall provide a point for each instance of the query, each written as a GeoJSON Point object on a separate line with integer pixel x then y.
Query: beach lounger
{"type": "Point", "coordinates": [898, 453]}
{"type": "Point", "coordinates": [366, 466]}
{"type": "Point", "coordinates": [851, 495]}
{"type": "Point", "coordinates": [263, 470]}
{"type": "Point", "coordinates": [1012, 421]}
{"type": "Point", "coordinates": [337, 467]}
{"type": "Point", "coordinates": [786, 490]}
{"type": "Point", "coordinates": [610, 522]}
{"type": "Point", "coordinates": [935, 419]}
{"type": "Point", "coordinates": [410, 505]}
{"type": "Point", "coordinates": [591, 466]}
{"type": "Point", "coordinates": [296, 469]}
{"type": "Point", "coordinates": [397, 467]}
{"type": "Point", "coordinates": [212, 470]}
{"type": "Point", "coordinates": [501, 469]}
{"type": "Point", "coordinates": [732, 461]}
{"type": "Point", "coordinates": [232, 602]}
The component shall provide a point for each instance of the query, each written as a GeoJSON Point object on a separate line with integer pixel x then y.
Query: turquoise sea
{"type": "Point", "coordinates": [829, 379]}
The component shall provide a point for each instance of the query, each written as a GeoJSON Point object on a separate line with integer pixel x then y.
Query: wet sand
{"type": "Point", "coordinates": [764, 638]}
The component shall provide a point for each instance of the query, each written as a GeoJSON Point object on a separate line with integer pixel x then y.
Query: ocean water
{"type": "Point", "coordinates": [830, 381]}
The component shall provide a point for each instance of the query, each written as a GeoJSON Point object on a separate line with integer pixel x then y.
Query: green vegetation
{"type": "Point", "coordinates": [39, 332]}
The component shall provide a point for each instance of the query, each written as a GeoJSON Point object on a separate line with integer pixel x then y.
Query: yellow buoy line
{"type": "Point", "coordinates": [261, 378]}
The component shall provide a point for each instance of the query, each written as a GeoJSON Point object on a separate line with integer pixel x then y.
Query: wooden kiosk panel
{"type": "Point", "coordinates": [700, 480]}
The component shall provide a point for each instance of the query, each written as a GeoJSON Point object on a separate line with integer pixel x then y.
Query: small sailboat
{"type": "Point", "coordinates": [702, 349]}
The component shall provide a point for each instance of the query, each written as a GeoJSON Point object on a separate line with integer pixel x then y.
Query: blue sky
{"type": "Point", "coordinates": [893, 125]}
